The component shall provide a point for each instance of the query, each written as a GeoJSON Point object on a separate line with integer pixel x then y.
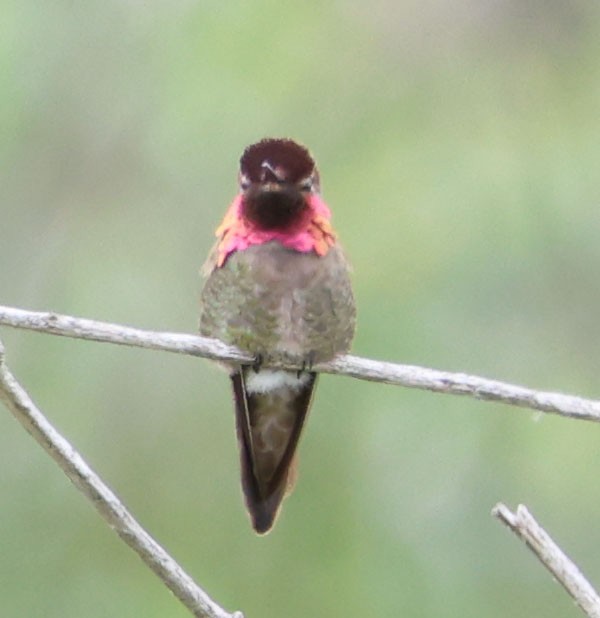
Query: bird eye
{"type": "Point", "coordinates": [306, 185]}
{"type": "Point", "coordinates": [244, 182]}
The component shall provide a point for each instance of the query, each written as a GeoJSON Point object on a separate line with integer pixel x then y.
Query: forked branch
{"type": "Point", "coordinates": [551, 556]}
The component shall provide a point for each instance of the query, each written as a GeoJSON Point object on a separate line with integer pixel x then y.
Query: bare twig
{"type": "Point", "coordinates": [551, 556]}
{"type": "Point", "coordinates": [107, 504]}
{"type": "Point", "coordinates": [353, 366]}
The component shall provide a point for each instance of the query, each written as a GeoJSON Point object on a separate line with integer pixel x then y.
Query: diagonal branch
{"type": "Point", "coordinates": [104, 500]}
{"type": "Point", "coordinates": [362, 368]}
{"type": "Point", "coordinates": [551, 556]}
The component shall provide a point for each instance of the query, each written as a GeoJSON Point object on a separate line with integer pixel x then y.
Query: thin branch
{"type": "Point", "coordinates": [362, 368]}
{"type": "Point", "coordinates": [551, 556]}
{"type": "Point", "coordinates": [104, 500]}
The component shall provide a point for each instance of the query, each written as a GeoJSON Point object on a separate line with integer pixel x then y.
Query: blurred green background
{"type": "Point", "coordinates": [459, 147]}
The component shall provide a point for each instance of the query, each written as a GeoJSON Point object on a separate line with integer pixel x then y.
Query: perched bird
{"type": "Point", "coordinates": [278, 287]}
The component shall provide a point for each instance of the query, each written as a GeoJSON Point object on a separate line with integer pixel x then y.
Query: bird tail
{"type": "Point", "coordinates": [270, 408]}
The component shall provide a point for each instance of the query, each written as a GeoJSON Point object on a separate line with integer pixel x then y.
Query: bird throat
{"type": "Point", "coordinates": [279, 208]}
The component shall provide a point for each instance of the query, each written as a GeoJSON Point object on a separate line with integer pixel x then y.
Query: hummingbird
{"type": "Point", "coordinates": [277, 286]}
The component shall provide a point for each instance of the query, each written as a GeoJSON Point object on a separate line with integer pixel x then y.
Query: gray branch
{"type": "Point", "coordinates": [362, 368]}
{"type": "Point", "coordinates": [551, 556]}
{"type": "Point", "coordinates": [104, 500]}
{"type": "Point", "coordinates": [181, 584]}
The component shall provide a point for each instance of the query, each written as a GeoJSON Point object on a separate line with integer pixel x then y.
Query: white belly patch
{"type": "Point", "coordinates": [266, 380]}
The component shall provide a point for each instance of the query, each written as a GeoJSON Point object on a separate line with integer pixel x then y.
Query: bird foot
{"type": "Point", "coordinates": [307, 364]}
{"type": "Point", "coordinates": [258, 361]}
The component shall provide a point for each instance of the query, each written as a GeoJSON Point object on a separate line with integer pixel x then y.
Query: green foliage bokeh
{"type": "Point", "coordinates": [459, 147]}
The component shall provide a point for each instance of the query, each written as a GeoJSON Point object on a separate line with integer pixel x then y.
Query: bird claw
{"type": "Point", "coordinates": [307, 364]}
{"type": "Point", "coordinates": [258, 361]}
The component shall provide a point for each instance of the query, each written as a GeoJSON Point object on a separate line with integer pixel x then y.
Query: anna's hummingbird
{"type": "Point", "coordinates": [278, 287]}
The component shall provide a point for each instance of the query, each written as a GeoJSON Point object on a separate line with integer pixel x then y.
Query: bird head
{"type": "Point", "coordinates": [276, 178]}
